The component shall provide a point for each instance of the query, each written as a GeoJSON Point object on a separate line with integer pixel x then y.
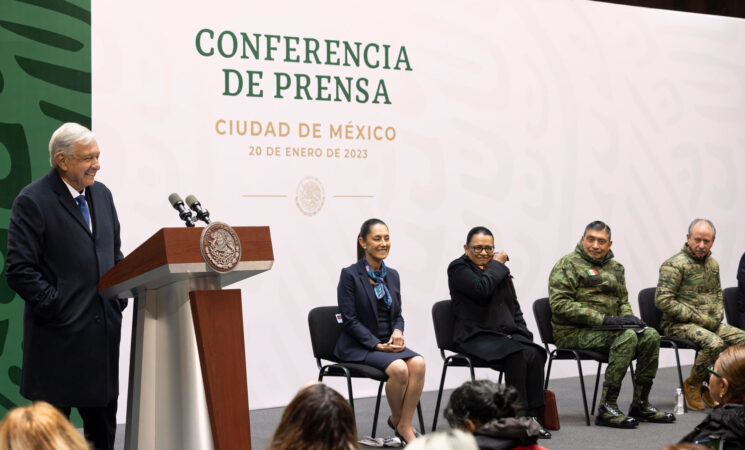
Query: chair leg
{"type": "Point", "coordinates": [595, 395]}
{"type": "Point", "coordinates": [501, 374]}
{"type": "Point", "coordinates": [421, 417]}
{"type": "Point", "coordinates": [377, 409]}
{"type": "Point", "coordinates": [439, 396]}
{"type": "Point", "coordinates": [633, 376]}
{"type": "Point", "coordinates": [582, 385]}
{"type": "Point", "coordinates": [548, 371]}
{"type": "Point", "coordinates": [349, 389]}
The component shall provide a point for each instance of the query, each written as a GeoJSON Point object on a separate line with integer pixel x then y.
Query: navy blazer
{"type": "Point", "coordinates": [359, 311]}
{"type": "Point", "coordinates": [70, 333]}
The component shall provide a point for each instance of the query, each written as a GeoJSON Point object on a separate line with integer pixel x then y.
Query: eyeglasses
{"type": "Point", "coordinates": [480, 248]}
{"type": "Point", "coordinates": [705, 383]}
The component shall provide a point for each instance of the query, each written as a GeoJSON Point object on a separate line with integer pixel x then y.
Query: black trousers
{"type": "Point", "coordinates": [521, 362]}
{"type": "Point", "coordinates": [524, 371]}
{"type": "Point", "coordinates": [99, 424]}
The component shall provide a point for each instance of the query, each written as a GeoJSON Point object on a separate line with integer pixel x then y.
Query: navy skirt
{"type": "Point", "coordinates": [381, 360]}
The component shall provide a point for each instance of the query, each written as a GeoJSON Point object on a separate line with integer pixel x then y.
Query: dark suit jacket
{"type": "Point", "coordinates": [484, 302]}
{"type": "Point", "coordinates": [359, 310]}
{"type": "Point", "coordinates": [70, 334]}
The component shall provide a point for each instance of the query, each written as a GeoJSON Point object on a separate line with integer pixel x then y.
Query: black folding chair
{"type": "Point", "coordinates": [442, 318]}
{"type": "Point", "coordinates": [324, 332]}
{"type": "Point", "coordinates": [730, 307]}
{"type": "Point", "coordinates": [652, 317]}
{"type": "Point", "coordinates": [542, 313]}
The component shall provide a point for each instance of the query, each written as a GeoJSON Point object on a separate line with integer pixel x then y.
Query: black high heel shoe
{"type": "Point", "coordinates": [398, 435]}
{"type": "Point", "coordinates": [542, 433]}
{"type": "Point", "coordinates": [390, 424]}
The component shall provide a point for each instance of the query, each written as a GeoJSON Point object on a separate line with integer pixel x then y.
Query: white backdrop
{"type": "Point", "coordinates": [531, 118]}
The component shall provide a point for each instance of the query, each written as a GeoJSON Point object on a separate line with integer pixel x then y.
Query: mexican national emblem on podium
{"type": "Point", "coordinates": [221, 247]}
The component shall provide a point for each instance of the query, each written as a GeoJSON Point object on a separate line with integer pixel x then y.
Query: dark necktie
{"type": "Point", "coordinates": [80, 199]}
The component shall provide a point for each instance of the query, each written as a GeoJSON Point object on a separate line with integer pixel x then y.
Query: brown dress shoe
{"type": "Point", "coordinates": [692, 392]}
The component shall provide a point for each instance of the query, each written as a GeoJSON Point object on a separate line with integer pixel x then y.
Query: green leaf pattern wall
{"type": "Point", "coordinates": [45, 80]}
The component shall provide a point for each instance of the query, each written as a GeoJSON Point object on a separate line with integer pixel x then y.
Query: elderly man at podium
{"type": "Point", "coordinates": [63, 235]}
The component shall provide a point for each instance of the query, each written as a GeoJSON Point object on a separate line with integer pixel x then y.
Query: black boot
{"type": "Point", "coordinates": [608, 413]}
{"type": "Point", "coordinates": [643, 411]}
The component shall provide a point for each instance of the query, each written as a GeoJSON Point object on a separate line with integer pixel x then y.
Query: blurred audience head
{"type": "Point", "coordinates": [444, 440]}
{"type": "Point", "coordinates": [685, 446]}
{"type": "Point", "coordinates": [318, 418]}
{"type": "Point", "coordinates": [39, 426]}
{"type": "Point", "coordinates": [727, 377]}
{"type": "Point", "coordinates": [478, 402]}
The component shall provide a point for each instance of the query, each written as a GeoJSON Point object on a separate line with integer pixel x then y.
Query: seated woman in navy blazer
{"type": "Point", "coordinates": [369, 296]}
{"type": "Point", "coordinates": [488, 321]}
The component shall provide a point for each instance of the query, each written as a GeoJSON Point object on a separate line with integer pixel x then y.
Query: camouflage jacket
{"type": "Point", "coordinates": [689, 291]}
{"type": "Point", "coordinates": [583, 290]}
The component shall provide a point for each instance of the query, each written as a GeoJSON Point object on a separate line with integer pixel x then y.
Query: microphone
{"type": "Point", "coordinates": [202, 214]}
{"type": "Point", "coordinates": [178, 204]}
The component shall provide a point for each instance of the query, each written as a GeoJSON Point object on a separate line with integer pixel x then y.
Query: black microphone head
{"type": "Point", "coordinates": [191, 200]}
{"type": "Point", "coordinates": [174, 199]}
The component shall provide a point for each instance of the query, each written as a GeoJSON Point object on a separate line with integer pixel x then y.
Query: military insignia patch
{"type": "Point", "coordinates": [591, 272]}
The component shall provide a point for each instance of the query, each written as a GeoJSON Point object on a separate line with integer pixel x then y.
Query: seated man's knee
{"type": "Point", "coordinates": [650, 335]}
{"type": "Point", "coordinates": [715, 344]}
{"type": "Point", "coordinates": [627, 339]}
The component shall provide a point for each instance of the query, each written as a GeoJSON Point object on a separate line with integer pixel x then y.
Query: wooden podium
{"type": "Point", "coordinates": [187, 375]}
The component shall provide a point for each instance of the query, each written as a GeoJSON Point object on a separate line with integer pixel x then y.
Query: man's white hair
{"type": "Point", "coordinates": [66, 135]}
{"type": "Point", "coordinates": [706, 221]}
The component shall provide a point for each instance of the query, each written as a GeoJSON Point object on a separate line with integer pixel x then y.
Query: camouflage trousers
{"type": "Point", "coordinates": [622, 347]}
{"type": "Point", "coordinates": [711, 343]}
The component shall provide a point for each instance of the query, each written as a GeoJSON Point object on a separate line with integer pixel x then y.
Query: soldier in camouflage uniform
{"type": "Point", "coordinates": [587, 288]}
{"type": "Point", "coordinates": [689, 294]}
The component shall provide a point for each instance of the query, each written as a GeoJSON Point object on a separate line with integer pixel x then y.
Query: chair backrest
{"type": "Point", "coordinates": [647, 309]}
{"type": "Point", "coordinates": [542, 314]}
{"type": "Point", "coordinates": [442, 318]}
{"type": "Point", "coordinates": [730, 307]}
{"type": "Point", "coordinates": [324, 331]}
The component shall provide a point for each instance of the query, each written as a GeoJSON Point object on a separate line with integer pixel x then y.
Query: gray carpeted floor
{"type": "Point", "coordinates": [574, 433]}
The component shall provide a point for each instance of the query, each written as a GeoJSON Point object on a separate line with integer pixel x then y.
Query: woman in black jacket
{"type": "Point", "coordinates": [488, 321]}
{"type": "Point", "coordinates": [724, 427]}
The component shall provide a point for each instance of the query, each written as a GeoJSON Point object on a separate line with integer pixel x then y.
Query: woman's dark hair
{"type": "Point", "coordinates": [364, 231]}
{"type": "Point", "coordinates": [318, 418]}
{"type": "Point", "coordinates": [477, 230]}
{"type": "Point", "coordinates": [482, 401]}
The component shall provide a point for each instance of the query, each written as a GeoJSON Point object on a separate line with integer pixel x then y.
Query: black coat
{"type": "Point", "coordinates": [485, 303]}
{"type": "Point", "coordinates": [359, 310]}
{"type": "Point", "coordinates": [70, 333]}
{"type": "Point", "coordinates": [725, 422]}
